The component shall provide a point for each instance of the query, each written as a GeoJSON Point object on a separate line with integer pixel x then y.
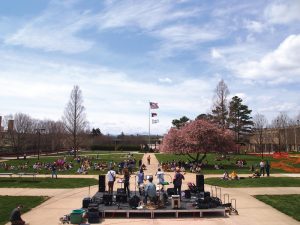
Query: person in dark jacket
{"type": "Point", "coordinates": [267, 167]}
{"type": "Point", "coordinates": [126, 181]}
{"type": "Point", "coordinates": [53, 170]}
{"type": "Point", "coordinates": [15, 216]}
{"type": "Point", "coordinates": [177, 181]}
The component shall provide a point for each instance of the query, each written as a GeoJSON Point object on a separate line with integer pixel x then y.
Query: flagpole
{"type": "Point", "coordinates": [149, 122]}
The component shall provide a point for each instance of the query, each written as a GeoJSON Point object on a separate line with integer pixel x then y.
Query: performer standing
{"type": "Point", "coordinates": [111, 177]}
{"type": "Point", "coordinates": [160, 176]}
{"type": "Point", "coordinates": [140, 180]}
{"type": "Point", "coordinates": [126, 181]}
{"type": "Point", "coordinates": [177, 181]}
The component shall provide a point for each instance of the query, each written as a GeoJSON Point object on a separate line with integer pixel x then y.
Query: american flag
{"type": "Point", "coordinates": [154, 105]}
{"type": "Point", "coordinates": [155, 121]}
{"type": "Point", "coordinates": [153, 114]}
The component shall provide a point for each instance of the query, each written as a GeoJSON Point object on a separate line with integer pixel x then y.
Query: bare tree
{"type": "Point", "coordinates": [22, 129]}
{"type": "Point", "coordinates": [260, 123]}
{"type": "Point", "coordinates": [74, 117]}
{"type": "Point", "coordinates": [220, 105]}
{"type": "Point", "coordinates": [281, 122]}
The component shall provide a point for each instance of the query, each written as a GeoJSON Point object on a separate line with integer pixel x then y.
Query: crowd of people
{"type": "Point", "coordinates": [193, 167]}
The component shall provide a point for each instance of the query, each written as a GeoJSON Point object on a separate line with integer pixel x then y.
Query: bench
{"type": "Point", "coordinates": [28, 174]}
{"type": "Point", "coordinates": [6, 174]}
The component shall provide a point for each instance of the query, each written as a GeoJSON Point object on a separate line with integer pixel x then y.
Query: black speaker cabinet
{"type": "Point", "coordinates": [170, 191]}
{"type": "Point", "coordinates": [101, 183]}
{"type": "Point", "coordinates": [93, 217]}
{"type": "Point", "coordinates": [187, 194]}
{"type": "Point", "coordinates": [107, 199]}
{"type": "Point", "coordinates": [121, 191]}
{"type": "Point", "coordinates": [200, 182]}
{"type": "Point", "coordinates": [86, 202]}
{"type": "Point", "coordinates": [93, 207]}
{"type": "Point", "coordinates": [121, 198]}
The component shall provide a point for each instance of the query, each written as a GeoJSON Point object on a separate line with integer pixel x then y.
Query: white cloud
{"type": "Point", "coordinates": [254, 26]}
{"type": "Point", "coordinates": [278, 66]}
{"type": "Point", "coordinates": [41, 87]}
{"type": "Point", "coordinates": [215, 54]}
{"type": "Point", "coordinates": [165, 80]}
{"type": "Point", "coordinates": [283, 12]}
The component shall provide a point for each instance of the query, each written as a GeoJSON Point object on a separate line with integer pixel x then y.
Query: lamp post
{"type": "Point", "coordinates": [39, 131]}
{"type": "Point", "coordinates": [295, 132]}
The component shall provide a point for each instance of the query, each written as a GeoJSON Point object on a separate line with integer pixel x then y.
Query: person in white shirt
{"type": "Point", "coordinates": [111, 177]}
{"type": "Point", "coordinates": [262, 167]}
{"type": "Point", "coordinates": [160, 176]}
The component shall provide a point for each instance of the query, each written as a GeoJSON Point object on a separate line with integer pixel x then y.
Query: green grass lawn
{"type": "Point", "coordinates": [228, 165]}
{"type": "Point", "coordinates": [8, 203]}
{"type": "Point", "coordinates": [46, 182]}
{"type": "Point", "coordinates": [255, 182]}
{"type": "Point", "coordinates": [50, 159]}
{"type": "Point", "coordinates": [287, 204]}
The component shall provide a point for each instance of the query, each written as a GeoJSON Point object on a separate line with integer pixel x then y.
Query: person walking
{"type": "Point", "coordinates": [111, 177]}
{"type": "Point", "coordinates": [15, 216]}
{"type": "Point", "coordinates": [177, 181]}
{"type": "Point", "coordinates": [148, 159]}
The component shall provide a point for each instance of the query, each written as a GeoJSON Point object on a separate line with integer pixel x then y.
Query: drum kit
{"type": "Point", "coordinates": [162, 197]}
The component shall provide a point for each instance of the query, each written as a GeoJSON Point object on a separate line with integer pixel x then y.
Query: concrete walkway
{"type": "Point", "coordinates": [251, 211]}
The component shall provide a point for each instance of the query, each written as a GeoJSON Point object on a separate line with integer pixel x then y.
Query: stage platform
{"type": "Point", "coordinates": [123, 210]}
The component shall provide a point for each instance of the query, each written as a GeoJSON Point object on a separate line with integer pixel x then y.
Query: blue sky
{"type": "Point", "coordinates": [124, 53]}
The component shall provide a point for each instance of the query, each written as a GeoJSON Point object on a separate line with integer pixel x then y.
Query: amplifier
{"type": "Point", "coordinates": [121, 198]}
{"type": "Point", "coordinates": [187, 194]}
{"type": "Point", "coordinates": [107, 199]}
{"type": "Point", "coordinates": [93, 207]}
{"type": "Point", "coordinates": [170, 191]}
{"type": "Point", "coordinates": [86, 202]}
{"type": "Point", "coordinates": [93, 217]}
{"type": "Point", "coordinates": [121, 191]}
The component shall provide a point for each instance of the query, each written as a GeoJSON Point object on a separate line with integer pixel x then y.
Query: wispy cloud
{"type": "Point", "coordinates": [54, 30]}
{"type": "Point", "coordinates": [143, 14]}
{"type": "Point", "coordinates": [283, 12]}
{"type": "Point", "coordinates": [183, 37]}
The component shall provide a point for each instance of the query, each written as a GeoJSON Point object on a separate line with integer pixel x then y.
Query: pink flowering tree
{"type": "Point", "coordinates": [200, 137]}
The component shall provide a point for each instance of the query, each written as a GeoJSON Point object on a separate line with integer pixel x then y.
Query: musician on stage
{"type": "Point", "coordinates": [150, 191]}
{"type": "Point", "coordinates": [177, 181]}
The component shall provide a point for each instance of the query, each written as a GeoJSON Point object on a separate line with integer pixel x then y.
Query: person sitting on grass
{"type": "Point", "coordinates": [225, 176]}
{"type": "Point", "coordinates": [234, 176]}
{"type": "Point", "coordinates": [256, 174]}
{"type": "Point", "coordinates": [15, 216]}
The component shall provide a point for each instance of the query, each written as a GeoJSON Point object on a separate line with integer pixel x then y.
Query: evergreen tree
{"type": "Point", "coordinates": [181, 122]}
{"type": "Point", "coordinates": [240, 120]}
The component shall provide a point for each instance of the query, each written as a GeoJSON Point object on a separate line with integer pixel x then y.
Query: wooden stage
{"type": "Point", "coordinates": [123, 210]}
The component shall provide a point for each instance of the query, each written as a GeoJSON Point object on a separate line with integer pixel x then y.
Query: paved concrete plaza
{"type": "Point", "coordinates": [251, 211]}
